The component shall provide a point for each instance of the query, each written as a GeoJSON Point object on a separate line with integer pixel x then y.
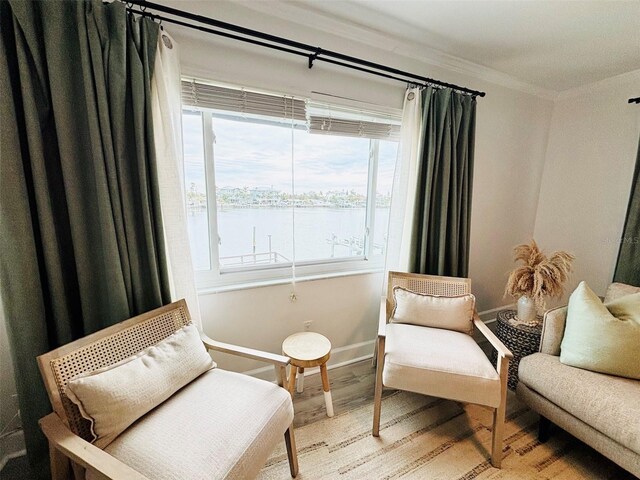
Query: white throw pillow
{"type": "Point", "coordinates": [450, 313]}
{"type": "Point", "coordinates": [114, 397]}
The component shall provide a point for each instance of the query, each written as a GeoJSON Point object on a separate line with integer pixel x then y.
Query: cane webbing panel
{"type": "Point", "coordinates": [428, 284]}
{"type": "Point", "coordinates": [109, 350]}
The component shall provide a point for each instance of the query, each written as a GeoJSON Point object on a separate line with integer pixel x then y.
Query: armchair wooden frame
{"type": "Point", "coordinates": [448, 286]}
{"type": "Point", "coordinates": [66, 430]}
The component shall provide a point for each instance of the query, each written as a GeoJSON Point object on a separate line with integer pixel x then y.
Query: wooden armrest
{"type": "Point", "coordinates": [83, 452]}
{"type": "Point", "coordinates": [493, 340]}
{"type": "Point", "coordinates": [245, 352]}
{"type": "Point", "coordinates": [382, 320]}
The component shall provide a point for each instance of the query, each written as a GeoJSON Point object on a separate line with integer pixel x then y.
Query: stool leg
{"type": "Point", "coordinates": [300, 379]}
{"type": "Point", "coordinates": [327, 389]}
{"type": "Point", "coordinates": [292, 379]}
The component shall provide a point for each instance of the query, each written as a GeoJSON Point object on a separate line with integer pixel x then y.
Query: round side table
{"type": "Point", "coordinates": [521, 339]}
{"type": "Point", "coordinates": [308, 350]}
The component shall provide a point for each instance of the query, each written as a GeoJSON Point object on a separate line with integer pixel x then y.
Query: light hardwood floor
{"type": "Point", "coordinates": [351, 387]}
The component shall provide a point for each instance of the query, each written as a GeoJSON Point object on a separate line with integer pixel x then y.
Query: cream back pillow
{"type": "Point", "coordinates": [114, 397]}
{"type": "Point", "coordinates": [601, 337]}
{"type": "Point", "coordinates": [450, 313]}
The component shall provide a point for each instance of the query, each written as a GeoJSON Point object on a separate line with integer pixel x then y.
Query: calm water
{"type": "Point", "coordinates": [315, 227]}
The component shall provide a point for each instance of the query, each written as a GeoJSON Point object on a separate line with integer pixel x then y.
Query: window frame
{"type": "Point", "coordinates": [217, 278]}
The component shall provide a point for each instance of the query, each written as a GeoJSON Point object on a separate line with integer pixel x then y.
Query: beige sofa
{"type": "Point", "coordinates": [601, 410]}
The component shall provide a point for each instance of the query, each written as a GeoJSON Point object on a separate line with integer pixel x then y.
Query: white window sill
{"type": "Point", "coordinates": [284, 281]}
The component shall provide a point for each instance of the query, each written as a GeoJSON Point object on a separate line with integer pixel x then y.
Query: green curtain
{"type": "Point", "coordinates": [628, 265]}
{"type": "Point", "coordinates": [81, 237]}
{"type": "Point", "coordinates": [442, 215]}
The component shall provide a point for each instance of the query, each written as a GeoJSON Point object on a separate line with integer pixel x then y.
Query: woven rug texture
{"type": "Point", "coordinates": [427, 438]}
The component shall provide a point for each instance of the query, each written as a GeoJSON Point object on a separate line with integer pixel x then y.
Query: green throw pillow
{"type": "Point", "coordinates": [601, 337]}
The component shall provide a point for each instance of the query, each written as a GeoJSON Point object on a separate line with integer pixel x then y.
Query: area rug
{"type": "Point", "coordinates": [427, 438]}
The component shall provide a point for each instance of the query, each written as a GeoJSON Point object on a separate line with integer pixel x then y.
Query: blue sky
{"type": "Point", "coordinates": [251, 155]}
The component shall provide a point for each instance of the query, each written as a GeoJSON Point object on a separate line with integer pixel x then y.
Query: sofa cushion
{"type": "Point", "coordinates": [602, 338]}
{"type": "Point", "coordinates": [607, 403]}
{"type": "Point", "coordinates": [451, 313]}
{"type": "Point", "coordinates": [114, 397]}
{"type": "Point", "coordinates": [221, 425]}
{"type": "Point", "coordinates": [438, 362]}
{"type": "Point", "coordinates": [617, 290]}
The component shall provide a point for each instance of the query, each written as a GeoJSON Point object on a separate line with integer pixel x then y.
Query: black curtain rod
{"type": "Point", "coordinates": [634, 100]}
{"type": "Point", "coordinates": [289, 46]}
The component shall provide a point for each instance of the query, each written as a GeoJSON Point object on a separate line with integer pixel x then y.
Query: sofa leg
{"type": "Point", "coordinates": [544, 429]}
{"type": "Point", "coordinates": [292, 453]}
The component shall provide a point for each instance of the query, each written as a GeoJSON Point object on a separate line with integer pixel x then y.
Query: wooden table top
{"type": "Point", "coordinates": [307, 349]}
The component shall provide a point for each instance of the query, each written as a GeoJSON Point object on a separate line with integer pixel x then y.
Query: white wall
{"type": "Point", "coordinates": [587, 177]}
{"type": "Point", "coordinates": [342, 309]}
{"type": "Point", "coordinates": [511, 138]}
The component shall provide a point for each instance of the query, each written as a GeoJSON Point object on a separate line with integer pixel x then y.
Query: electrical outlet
{"type": "Point", "coordinates": [307, 325]}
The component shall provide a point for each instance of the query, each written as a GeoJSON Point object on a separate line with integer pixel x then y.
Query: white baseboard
{"type": "Point", "coordinates": [488, 316]}
{"type": "Point", "coordinates": [12, 446]}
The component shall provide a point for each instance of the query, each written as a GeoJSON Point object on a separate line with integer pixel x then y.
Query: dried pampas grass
{"type": "Point", "coordinates": [539, 277]}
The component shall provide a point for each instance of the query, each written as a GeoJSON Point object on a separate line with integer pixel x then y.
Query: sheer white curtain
{"type": "Point", "coordinates": [404, 184]}
{"type": "Point", "coordinates": [166, 110]}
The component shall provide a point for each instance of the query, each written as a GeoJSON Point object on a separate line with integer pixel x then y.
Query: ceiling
{"type": "Point", "coordinates": [553, 45]}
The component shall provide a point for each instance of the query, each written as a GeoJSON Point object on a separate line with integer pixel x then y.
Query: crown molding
{"type": "Point", "coordinates": [302, 15]}
{"type": "Point", "coordinates": [599, 85]}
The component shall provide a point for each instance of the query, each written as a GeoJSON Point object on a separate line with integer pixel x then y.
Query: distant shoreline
{"type": "Point", "coordinates": [198, 208]}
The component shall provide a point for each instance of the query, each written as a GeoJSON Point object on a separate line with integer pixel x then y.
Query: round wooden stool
{"type": "Point", "coordinates": [308, 350]}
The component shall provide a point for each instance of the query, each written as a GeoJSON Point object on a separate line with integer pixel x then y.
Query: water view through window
{"type": "Point", "coordinates": [255, 201]}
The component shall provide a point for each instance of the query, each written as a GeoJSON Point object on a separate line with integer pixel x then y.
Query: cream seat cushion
{"type": "Point", "coordinates": [439, 362]}
{"type": "Point", "coordinates": [608, 403]}
{"type": "Point", "coordinates": [221, 425]}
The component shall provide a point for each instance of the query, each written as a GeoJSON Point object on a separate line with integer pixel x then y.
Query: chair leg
{"type": "Point", "coordinates": [59, 464]}
{"type": "Point", "coordinates": [292, 379]}
{"type": "Point", "coordinates": [374, 359]}
{"type": "Point", "coordinates": [292, 453]}
{"type": "Point", "coordinates": [499, 414]}
{"type": "Point", "coordinates": [326, 387]}
{"type": "Point", "coordinates": [300, 386]}
{"type": "Point", "coordinates": [377, 399]}
{"type": "Point", "coordinates": [544, 429]}
{"type": "Point", "coordinates": [497, 437]}
{"type": "Point", "coordinates": [79, 472]}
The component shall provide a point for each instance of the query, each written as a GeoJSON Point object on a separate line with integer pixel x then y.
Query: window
{"type": "Point", "coordinates": [271, 181]}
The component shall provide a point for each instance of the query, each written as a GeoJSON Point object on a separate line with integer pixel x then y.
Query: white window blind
{"type": "Point", "coordinates": [196, 94]}
{"type": "Point", "coordinates": [346, 121]}
{"type": "Point", "coordinates": [325, 125]}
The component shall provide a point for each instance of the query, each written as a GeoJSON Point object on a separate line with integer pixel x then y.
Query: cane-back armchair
{"type": "Point", "coordinates": [437, 361]}
{"type": "Point", "coordinates": [186, 436]}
